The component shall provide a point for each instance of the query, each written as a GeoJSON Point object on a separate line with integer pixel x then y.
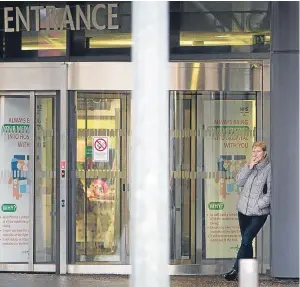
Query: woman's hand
{"type": "Point", "coordinates": [253, 162]}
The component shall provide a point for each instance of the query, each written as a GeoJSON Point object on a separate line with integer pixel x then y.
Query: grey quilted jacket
{"type": "Point", "coordinates": [253, 199]}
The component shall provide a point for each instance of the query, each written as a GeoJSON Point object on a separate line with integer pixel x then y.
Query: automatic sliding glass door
{"type": "Point", "coordinates": [211, 136]}
{"type": "Point", "coordinates": [227, 128]}
{"type": "Point", "coordinates": [28, 180]}
{"type": "Point", "coordinates": [16, 146]}
{"type": "Point", "coordinates": [182, 187]}
{"type": "Point", "coordinates": [99, 216]}
{"type": "Point", "coordinates": [46, 174]}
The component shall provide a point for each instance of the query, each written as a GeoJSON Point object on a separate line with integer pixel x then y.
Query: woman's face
{"type": "Point", "coordinates": [258, 154]}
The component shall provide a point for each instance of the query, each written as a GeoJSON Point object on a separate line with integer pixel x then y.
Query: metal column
{"type": "Point", "coordinates": [150, 146]}
{"type": "Point", "coordinates": [285, 134]}
{"type": "Point", "coordinates": [62, 250]}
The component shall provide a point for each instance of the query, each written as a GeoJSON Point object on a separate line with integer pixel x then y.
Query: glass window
{"type": "Point", "coordinates": [46, 42]}
{"type": "Point", "coordinates": [109, 27]}
{"type": "Point", "coordinates": [115, 35]}
{"type": "Point", "coordinates": [32, 30]}
{"type": "Point", "coordinates": [230, 26]}
{"type": "Point", "coordinates": [36, 29]}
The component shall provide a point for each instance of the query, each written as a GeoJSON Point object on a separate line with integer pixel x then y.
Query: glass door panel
{"type": "Point", "coordinates": [182, 188]}
{"type": "Point", "coordinates": [45, 179]}
{"type": "Point", "coordinates": [211, 136]}
{"type": "Point", "coordinates": [100, 177]}
{"type": "Point", "coordinates": [27, 180]}
{"type": "Point", "coordinates": [225, 143]}
{"type": "Point", "coordinates": [16, 178]}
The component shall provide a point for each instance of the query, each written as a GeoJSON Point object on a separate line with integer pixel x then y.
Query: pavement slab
{"type": "Point", "coordinates": [46, 280]}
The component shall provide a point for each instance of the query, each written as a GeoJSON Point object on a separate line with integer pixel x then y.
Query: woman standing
{"type": "Point", "coordinates": [254, 203]}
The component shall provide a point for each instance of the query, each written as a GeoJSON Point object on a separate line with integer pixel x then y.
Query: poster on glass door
{"type": "Point", "coordinates": [15, 141]}
{"type": "Point", "coordinates": [228, 143]}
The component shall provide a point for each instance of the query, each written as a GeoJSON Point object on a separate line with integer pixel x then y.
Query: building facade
{"type": "Point", "coordinates": [65, 87]}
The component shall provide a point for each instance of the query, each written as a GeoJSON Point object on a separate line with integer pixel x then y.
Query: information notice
{"type": "Point", "coordinates": [12, 232]}
{"type": "Point", "coordinates": [227, 148]}
{"type": "Point", "coordinates": [15, 143]}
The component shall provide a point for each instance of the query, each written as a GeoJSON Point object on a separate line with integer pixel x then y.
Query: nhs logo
{"type": "Point", "coordinates": [244, 110]}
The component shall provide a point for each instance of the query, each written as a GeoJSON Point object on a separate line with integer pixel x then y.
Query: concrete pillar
{"type": "Point", "coordinates": [149, 216]}
{"type": "Point", "coordinates": [285, 112]}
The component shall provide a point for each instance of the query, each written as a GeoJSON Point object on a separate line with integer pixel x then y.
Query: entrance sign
{"type": "Point", "coordinates": [15, 142]}
{"type": "Point", "coordinates": [89, 17]}
{"type": "Point", "coordinates": [100, 149]}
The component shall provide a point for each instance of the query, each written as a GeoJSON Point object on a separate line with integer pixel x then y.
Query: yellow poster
{"type": "Point", "coordinates": [229, 126]}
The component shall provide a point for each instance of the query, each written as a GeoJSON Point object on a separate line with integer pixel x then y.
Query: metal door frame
{"type": "Point", "coordinates": [86, 77]}
{"type": "Point", "coordinates": [55, 266]}
{"type": "Point", "coordinates": [30, 266]}
{"type": "Point", "coordinates": [197, 193]}
{"type": "Point", "coordinates": [124, 97]}
{"type": "Point", "coordinates": [176, 226]}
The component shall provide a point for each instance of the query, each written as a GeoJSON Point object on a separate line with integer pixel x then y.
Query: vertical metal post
{"type": "Point", "coordinates": [71, 212]}
{"type": "Point", "coordinates": [31, 163]}
{"type": "Point", "coordinates": [248, 273]}
{"type": "Point", "coordinates": [62, 220]}
{"type": "Point", "coordinates": [150, 145]}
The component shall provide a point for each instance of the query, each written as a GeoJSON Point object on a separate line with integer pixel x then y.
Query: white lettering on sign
{"type": "Point", "coordinates": [37, 9]}
{"type": "Point", "coordinates": [23, 18]}
{"type": "Point", "coordinates": [85, 19]}
{"type": "Point", "coordinates": [94, 17]}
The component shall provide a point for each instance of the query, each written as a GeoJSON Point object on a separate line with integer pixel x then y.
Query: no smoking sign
{"type": "Point", "coordinates": [100, 149]}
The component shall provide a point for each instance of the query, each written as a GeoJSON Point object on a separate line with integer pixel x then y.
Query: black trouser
{"type": "Point", "coordinates": [249, 226]}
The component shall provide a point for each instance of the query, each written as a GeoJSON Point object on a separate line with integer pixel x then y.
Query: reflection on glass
{"type": "Point", "coordinates": [116, 31]}
{"type": "Point", "coordinates": [224, 38]}
{"type": "Point", "coordinates": [45, 180]}
{"type": "Point", "coordinates": [98, 183]}
{"type": "Point", "coordinates": [227, 23]}
{"type": "Point", "coordinates": [109, 40]}
{"type": "Point", "coordinates": [46, 42]}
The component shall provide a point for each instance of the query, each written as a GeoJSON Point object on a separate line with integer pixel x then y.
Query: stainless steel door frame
{"type": "Point", "coordinates": [128, 155]}
{"type": "Point", "coordinates": [45, 76]}
{"type": "Point", "coordinates": [208, 76]}
{"type": "Point", "coordinates": [178, 134]}
{"type": "Point", "coordinates": [196, 196]}
{"type": "Point", "coordinates": [122, 120]}
{"type": "Point", "coordinates": [177, 200]}
{"type": "Point", "coordinates": [57, 208]}
{"type": "Point", "coordinates": [30, 266]}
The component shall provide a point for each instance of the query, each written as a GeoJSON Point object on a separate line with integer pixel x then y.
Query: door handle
{"type": "Point", "coordinates": [126, 240]}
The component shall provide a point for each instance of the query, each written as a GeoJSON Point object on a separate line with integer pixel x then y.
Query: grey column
{"type": "Point", "coordinates": [285, 140]}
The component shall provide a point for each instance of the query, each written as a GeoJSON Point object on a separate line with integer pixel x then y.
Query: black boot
{"type": "Point", "coordinates": [231, 275]}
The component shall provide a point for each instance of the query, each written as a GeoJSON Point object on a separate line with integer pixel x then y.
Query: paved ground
{"type": "Point", "coordinates": [30, 280]}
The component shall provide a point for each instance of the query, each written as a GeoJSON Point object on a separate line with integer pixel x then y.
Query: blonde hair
{"type": "Point", "coordinates": [260, 144]}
